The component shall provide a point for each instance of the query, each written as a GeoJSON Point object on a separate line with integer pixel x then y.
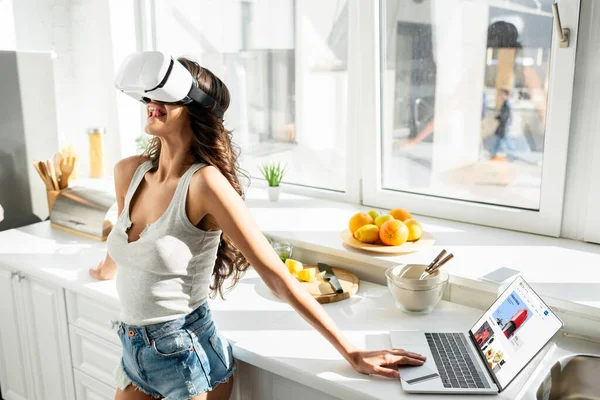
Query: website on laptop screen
{"type": "Point", "coordinates": [513, 330]}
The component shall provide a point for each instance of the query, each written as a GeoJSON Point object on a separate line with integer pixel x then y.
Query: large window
{"type": "Point", "coordinates": [458, 109]}
{"type": "Point", "coordinates": [285, 64]}
{"type": "Point", "coordinates": [464, 103]}
{"type": "Point", "coordinates": [475, 102]}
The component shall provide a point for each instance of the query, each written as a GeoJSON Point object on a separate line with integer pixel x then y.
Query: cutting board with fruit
{"type": "Point", "coordinates": [311, 280]}
{"type": "Point", "coordinates": [393, 233]}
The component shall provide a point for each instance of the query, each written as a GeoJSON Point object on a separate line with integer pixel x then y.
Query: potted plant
{"type": "Point", "coordinates": [273, 174]}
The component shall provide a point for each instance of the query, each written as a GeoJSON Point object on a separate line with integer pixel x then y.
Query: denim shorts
{"type": "Point", "coordinates": [176, 359]}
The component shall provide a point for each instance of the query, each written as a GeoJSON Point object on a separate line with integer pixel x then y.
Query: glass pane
{"type": "Point", "coordinates": [464, 88]}
{"type": "Point", "coordinates": [285, 64]}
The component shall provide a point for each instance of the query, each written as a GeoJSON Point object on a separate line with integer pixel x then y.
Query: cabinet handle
{"type": "Point", "coordinates": [113, 324]}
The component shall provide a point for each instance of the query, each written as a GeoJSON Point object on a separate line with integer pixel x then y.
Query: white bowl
{"type": "Point", "coordinates": [414, 295]}
{"type": "Point", "coordinates": [407, 275]}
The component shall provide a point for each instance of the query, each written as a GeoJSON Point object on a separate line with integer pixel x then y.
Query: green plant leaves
{"type": "Point", "coordinates": [273, 172]}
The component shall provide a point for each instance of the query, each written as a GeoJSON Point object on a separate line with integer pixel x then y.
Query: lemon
{"type": "Point", "coordinates": [383, 219]}
{"type": "Point", "coordinates": [367, 233]}
{"type": "Point", "coordinates": [414, 230]}
{"type": "Point", "coordinates": [306, 275]}
{"type": "Point", "coordinates": [293, 266]}
{"type": "Point", "coordinates": [374, 214]}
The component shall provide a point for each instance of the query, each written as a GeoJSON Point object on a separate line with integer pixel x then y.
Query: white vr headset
{"type": "Point", "coordinates": [152, 75]}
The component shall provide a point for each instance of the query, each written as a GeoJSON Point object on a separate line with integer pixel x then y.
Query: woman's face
{"type": "Point", "coordinates": [165, 119]}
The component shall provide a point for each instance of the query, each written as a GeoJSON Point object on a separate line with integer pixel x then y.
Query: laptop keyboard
{"type": "Point", "coordinates": [453, 361]}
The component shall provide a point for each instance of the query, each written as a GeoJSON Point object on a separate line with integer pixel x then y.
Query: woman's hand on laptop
{"type": "Point", "coordinates": [384, 362]}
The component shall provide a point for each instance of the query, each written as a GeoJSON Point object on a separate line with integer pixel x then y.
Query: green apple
{"type": "Point", "coordinates": [374, 214]}
{"type": "Point", "coordinates": [383, 219]}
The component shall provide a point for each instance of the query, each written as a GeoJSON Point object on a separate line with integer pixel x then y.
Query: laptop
{"type": "Point", "coordinates": [487, 358]}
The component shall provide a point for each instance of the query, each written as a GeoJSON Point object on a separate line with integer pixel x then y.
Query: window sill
{"type": "Point", "coordinates": [566, 273]}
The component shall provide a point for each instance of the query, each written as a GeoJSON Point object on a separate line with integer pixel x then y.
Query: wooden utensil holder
{"type": "Point", "coordinates": [51, 195]}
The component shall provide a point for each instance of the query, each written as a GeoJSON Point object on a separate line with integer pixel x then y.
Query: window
{"type": "Point", "coordinates": [285, 64]}
{"type": "Point", "coordinates": [475, 103]}
{"type": "Point", "coordinates": [457, 109]}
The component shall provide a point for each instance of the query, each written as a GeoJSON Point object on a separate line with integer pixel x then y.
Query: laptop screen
{"type": "Point", "coordinates": [514, 330]}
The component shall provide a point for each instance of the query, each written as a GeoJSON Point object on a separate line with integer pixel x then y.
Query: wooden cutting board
{"type": "Point", "coordinates": [323, 292]}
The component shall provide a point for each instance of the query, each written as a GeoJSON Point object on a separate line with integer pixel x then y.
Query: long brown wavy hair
{"type": "Point", "coordinates": [212, 145]}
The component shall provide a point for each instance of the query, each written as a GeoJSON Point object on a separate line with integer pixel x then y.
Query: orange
{"type": "Point", "coordinates": [393, 233]}
{"type": "Point", "coordinates": [414, 230]}
{"type": "Point", "coordinates": [358, 220]}
{"type": "Point", "coordinates": [400, 214]}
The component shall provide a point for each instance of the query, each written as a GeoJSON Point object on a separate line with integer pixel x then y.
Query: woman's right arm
{"type": "Point", "coordinates": [123, 172]}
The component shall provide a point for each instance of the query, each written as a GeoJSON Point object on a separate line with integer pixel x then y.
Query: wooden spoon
{"type": "Point", "coordinates": [41, 167]}
{"type": "Point", "coordinates": [66, 167]}
{"type": "Point", "coordinates": [41, 173]}
{"type": "Point", "coordinates": [52, 174]}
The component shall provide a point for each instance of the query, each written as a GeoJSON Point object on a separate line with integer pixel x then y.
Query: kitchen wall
{"type": "Point", "coordinates": [87, 36]}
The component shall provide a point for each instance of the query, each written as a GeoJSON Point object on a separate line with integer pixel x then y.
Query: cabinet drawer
{"type": "Point", "coordinates": [88, 388]}
{"type": "Point", "coordinates": [89, 315]}
{"type": "Point", "coordinates": [96, 357]}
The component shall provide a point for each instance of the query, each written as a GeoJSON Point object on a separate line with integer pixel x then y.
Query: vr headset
{"type": "Point", "coordinates": [152, 75]}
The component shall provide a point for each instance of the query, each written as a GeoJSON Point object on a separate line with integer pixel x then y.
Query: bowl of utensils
{"type": "Point", "coordinates": [418, 288]}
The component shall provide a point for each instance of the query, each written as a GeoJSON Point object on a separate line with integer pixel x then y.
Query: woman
{"type": "Point", "coordinates": [182, 221]}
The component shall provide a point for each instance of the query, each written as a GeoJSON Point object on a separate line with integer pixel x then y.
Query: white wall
{"type": "Point", "coordinates": [581, 215]}
{"type": "Point", "coordinates": [7, 26]}
{"type": "Point", "coordinates": [86, 41]}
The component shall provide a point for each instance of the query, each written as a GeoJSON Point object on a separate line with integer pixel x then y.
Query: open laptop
{"type": "Point", "coordinates": [486, 359]}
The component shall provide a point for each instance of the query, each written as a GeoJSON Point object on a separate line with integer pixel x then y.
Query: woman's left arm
{"type": "Point", "coordinates": [221, 201]}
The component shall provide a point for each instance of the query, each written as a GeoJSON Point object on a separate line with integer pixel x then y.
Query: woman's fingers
{"type": "Point", "coordinates": [387, 372]}
{"type": "Point", "coordinates": [407, 360]}
{"type": "Point", "coordinates": [402, 352]}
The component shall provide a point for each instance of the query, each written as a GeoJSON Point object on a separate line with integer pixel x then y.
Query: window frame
{"type": "Point", "coordinates": [364, 131]}
{"type": "Point", "coordinates": [147, 41]}
{"type": "Point", "coordinates": [548, 219]}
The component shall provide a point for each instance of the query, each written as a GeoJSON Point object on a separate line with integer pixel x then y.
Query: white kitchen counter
{"type": "Point", "coordinates": [265, 331]}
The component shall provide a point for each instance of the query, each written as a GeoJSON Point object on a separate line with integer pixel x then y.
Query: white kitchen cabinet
{"type": "Point", "coordinates": [92, 316]}
{"type": "Point", "coordinates": [35, 359]}
{"type": "Point", "coordinates": [254, 383]}
{"type": "Point", "coordinates": [13, 366]}
{"type": "Point", "coordinates": [94, 356]}
{"type": "Point", "coordinates": [88, 388]}
{"type": "Point", "coordinates": [95, 345]}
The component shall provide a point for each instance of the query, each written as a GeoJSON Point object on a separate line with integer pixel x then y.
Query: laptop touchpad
{"type": "Point", "coordinates": [413, 374]}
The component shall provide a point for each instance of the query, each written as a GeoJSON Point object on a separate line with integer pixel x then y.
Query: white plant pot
{"type": "Point", "coordinates": [273, 193]}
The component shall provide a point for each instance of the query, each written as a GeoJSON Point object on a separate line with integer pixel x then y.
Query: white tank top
{"type": "Point", "coordinates": [165, 274]}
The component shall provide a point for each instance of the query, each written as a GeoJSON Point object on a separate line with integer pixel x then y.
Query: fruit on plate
{"type": "Point", "coordinates": [383, 218]}
{"type": "Point", "coordinates": [489, 353]}
{"type": "Point", "coordinates": [400, 214]}
{"type": "Point", "coordinates": [306, 275]}
{"type": "Point", "coordinates": [414, 230]}
{"type": "Point", "coordinates": [293, 266]}
{"type": "Point", "coordinates": [367, 233]}
{"type": "Point", "coordinates": [358, 220]}
{"type": "Point", "coordinates": [393, 233]}
{"type": "Point", "coordinates": [374, 214]}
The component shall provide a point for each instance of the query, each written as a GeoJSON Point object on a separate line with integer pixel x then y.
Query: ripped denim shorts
{"type": "Point", "coordinates": [176, 359]}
